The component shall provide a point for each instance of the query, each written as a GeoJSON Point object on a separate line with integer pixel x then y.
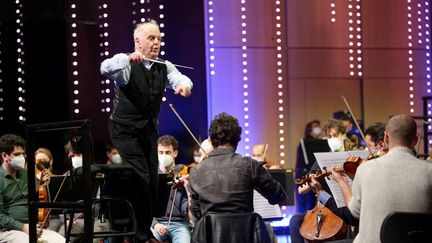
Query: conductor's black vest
{"type": "Point", "coordinates": [139, 101]}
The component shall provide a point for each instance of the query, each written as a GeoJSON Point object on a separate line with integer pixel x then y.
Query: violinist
{"type": "Point", "coordinates": [374, 137]}
{"type": "Point", "coordinates": [350, 127]}
{"type": "Point", "coordinates": [174, 225]}
{"type": "Point", "coordinates": [224, 182]}
{"type": "Point", "coordinates": [44, 165]}
{"type": "Point", "coordinates": [397, 181]}
{"type": "Point", "coordinates": [259, 153]}
{"type": "Point", "coordinates": [14, 194]}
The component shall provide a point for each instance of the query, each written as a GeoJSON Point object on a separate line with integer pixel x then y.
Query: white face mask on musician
{"type": "Point", "coordinates": [166, 162]}
{"type": "Point", "coordinates": [335, 144]}
{"type": "Point", "coordinates": [77, 161]}
{"type": "Point", "coordinates": [116, 159]}
{"type": "Point", "coordinates": [316, 131]}
{"type": "Point", "coordinates": [18, 162]}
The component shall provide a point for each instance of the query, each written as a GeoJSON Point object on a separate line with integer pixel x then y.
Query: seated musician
{"type": "Point", "coordinates": [174, 225]}
{"type": "Point", "coordinates": [259, 153]}
{"type": "Point", "coordinates": [75, 158]}
{"type": "Point", "coordinates": [204, 149]}
{"type": "Point", "coordinates": [350, 127]}
{"type": "Point", "coordinates": [113, 155]}
{"type": "Point", "coordinates": [337, 141]}
{"type": "Point", "coordinates": [14, 194]}
{"type": "Point", "coordinates": [374, 136]}
{"type": "Point", "coordinates": [378, 183]}
{"type": "Point", "coordinates": [224, 182]}
{"type": "Point", "coordinates": [44, 161]}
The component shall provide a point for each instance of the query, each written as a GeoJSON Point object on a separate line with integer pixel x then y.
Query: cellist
{"type": "Point", "coordinates": [336, 132]}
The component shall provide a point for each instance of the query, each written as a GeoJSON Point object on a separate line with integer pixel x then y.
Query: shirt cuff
{"type": "Point", "coordinates": [323, 197]}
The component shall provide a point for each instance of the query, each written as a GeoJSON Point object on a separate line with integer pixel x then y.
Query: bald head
{"type": "Point", "coordinates": [258, 151]}
{"type": "Point", "coordinates": [402, 131]}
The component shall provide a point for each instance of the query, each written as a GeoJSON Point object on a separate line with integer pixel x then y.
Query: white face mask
{"type": "Point", "coordinates": [197, 158]}
{"type": "Point", "coordinates": [116, 159]}
{"type": "Point", "coordinates": [335, 144]}
{"type": "Point", "coordinates": [18, 162]}
{"type": "Point", "coordinates": [316, 131]}
{"type": "Point", "coordinates": [77, 161]}
{"type": "Point", "coordinates": [166, 162]}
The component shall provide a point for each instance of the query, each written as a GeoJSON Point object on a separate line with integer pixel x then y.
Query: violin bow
{"type": "Point", "coordinates": [172, 207]}
{"type": "Point", "coordinates": [187, 128]}
{"type": "Point", "coordinates": [355, 121]}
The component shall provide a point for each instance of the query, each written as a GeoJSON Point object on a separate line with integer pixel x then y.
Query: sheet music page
{"type": "Point", "coordinates": [337, 159]}
{"type": "Point", "coordinates": [265, 209]}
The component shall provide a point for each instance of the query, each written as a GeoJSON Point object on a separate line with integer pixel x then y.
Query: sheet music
{"type": "Point", "coordinates": [329, 159]}
{"type": "Point", "coordinates": [265, 209]}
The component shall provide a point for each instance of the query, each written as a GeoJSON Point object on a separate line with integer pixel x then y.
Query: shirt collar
{"type": "Point", "coordinates": [5, 174]}
{"type": "Point", "coordinates": [148, 64]}
{"type": "Point", "coordinates": [401, 149]}
{"type": "Point", "coordinates": [2, 171]}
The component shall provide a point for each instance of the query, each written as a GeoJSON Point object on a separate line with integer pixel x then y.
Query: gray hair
{"type": "Point", "coordinates": [140, 26]}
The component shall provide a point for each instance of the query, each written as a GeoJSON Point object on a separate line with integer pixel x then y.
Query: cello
{"type": "Point", "coordinates": [320, 224]}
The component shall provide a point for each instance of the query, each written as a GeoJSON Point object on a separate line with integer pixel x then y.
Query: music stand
{"type": "Point", "coordinates": [311, 146]}
{"type": "Point", "coordinates": [81, 128]}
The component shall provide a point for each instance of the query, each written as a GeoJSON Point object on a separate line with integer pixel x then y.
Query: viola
{"type": "Point", "coordinates": [321, 224]}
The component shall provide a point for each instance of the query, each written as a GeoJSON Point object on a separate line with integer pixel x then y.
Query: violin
{"type": "Point", "coordinates": [319, 175]}
{"type": "Point", "coordinates": [352, 163]}
{"type": "Point", "coordinates": [43, 194]}
{"type": "Point", "coordinates": [321, 224]}
{"type": "Point", "coordinates": [179, 173]}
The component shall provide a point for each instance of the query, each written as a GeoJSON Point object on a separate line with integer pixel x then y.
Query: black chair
{"type": "Point", "coordinates": [231, 227]}
{"type": "Point", "coordinates": [405, 227]}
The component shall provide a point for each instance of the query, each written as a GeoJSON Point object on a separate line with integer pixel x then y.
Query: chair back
{"type": "Point", "coordinates": [406, 227]}
{"type": "Point", "coordinates": [231, 227]}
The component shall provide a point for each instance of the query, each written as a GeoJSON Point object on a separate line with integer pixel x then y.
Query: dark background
{"type": "Point", "coordinates": [48, 82]}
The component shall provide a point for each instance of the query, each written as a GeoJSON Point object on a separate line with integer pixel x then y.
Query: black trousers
{"type": "Point", "coordinates": [138, 148]}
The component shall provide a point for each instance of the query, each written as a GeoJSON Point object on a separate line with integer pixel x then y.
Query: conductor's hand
{"type": "Point", "coordinates": [136, 57]}
{"type": "Point", "coordinates": [161, 229]}
{"type": "Point", "coordinates": [183, 91]}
